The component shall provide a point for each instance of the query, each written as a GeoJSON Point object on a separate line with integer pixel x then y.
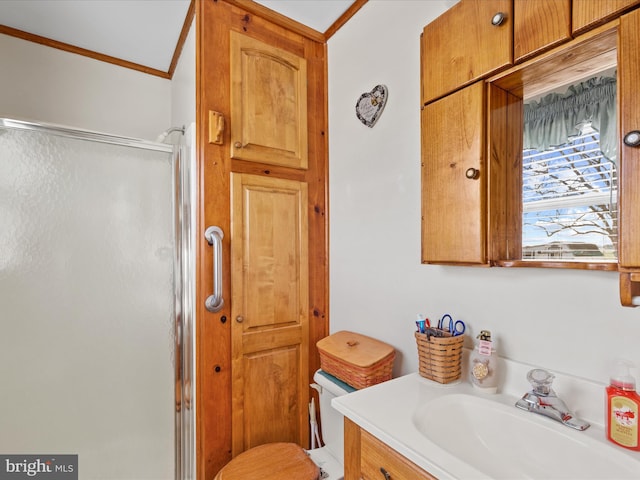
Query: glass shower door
{"type": "Point", "coordinates": [87, 252]}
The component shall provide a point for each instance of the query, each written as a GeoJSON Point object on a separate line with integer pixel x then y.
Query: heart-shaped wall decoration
{"type": "Point", "coordinates": [370, 105]}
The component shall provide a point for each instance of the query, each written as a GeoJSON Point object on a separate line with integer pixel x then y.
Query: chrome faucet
{"type": "Point", "coordinates": [543, 400]}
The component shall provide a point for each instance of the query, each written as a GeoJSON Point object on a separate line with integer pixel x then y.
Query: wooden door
{"type": "Point", "coordinates": [462, 45]}
{"type": "Point", "coordinates": [629, 173]}
{"type": "Point", "coordinates": [270, 328]}
{"type": "Point", "coordinates": [590, 13]}
{"type": "Point", "coordinates": [268, 103]}
{"type": "Point", "coordinates": [378, 457]}
{"type": "Point", "coordinates": [454, 178]}
{"type": "Point", "coordinates": [295, 154]}
{"type": "Point", "coordinates": [538, 26]}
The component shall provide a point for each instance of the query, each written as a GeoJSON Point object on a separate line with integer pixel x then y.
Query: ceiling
{"type": "Point", "coordinates": [317, 14]}
{"type": "Point", "coordinates": [144, 32]}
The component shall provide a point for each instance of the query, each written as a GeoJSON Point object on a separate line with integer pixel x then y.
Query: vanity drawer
{"type": "Point", "coordinates": [377, 458]}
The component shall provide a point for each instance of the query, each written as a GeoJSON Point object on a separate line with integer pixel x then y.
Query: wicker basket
{"type": "Point", "coordinates": [440, 357]}
{"type": "Point", "coordinates": [357, 360]}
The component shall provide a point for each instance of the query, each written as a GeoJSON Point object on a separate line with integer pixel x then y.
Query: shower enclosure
{"type": "Point", "coordinates": [96, 301]}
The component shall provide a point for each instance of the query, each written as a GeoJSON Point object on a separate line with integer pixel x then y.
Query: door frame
{"type": "Point", "coordinates": [214, 20]}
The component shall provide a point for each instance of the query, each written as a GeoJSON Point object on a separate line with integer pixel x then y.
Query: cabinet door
{"type": "Point", "coordinates": [462, 45]}
{"type": "Point", "coordinates": [629, 189]}
{"type": "Point", "coordinates": [268, 103]}
{"type": "Point", "coordinates": [538, 26]}
{"type": "Point", "coordinates": [380, 461]}
{"type": "Point", "coordinates": [453, 178]}
{"type": "Point", "coordinates": [589, 13]}
{"type": "Point", "coordinates": [270, 321]}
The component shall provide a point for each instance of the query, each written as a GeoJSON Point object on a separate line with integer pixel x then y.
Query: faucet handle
{"type": "Point", "coordinates": [540, 380]}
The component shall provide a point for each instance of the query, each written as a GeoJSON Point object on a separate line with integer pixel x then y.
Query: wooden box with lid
{"type": "Point", "coordinates": [356, 359]}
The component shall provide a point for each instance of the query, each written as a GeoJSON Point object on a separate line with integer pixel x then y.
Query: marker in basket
{"type": "Point", "coordinates": [422, 323]}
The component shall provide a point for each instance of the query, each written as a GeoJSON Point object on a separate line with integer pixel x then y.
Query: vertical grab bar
{"type": "Point", "coordinates": [214, 236]}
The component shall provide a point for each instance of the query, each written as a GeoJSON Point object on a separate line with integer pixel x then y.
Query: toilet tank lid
{"type": "Point", "coordinates": [331, 383]}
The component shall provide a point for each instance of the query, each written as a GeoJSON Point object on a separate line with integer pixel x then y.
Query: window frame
{"type": "Point", "coordinates": [594, 51]}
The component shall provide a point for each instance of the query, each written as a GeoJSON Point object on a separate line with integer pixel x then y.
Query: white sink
{"type": "Point", "coordinates": [503, 442]}
{"type": "Point", "coordinates": [456, 432]}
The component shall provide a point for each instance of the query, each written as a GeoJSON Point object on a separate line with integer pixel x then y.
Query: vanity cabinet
{"type": "Point", "coordinates": [367, 458]}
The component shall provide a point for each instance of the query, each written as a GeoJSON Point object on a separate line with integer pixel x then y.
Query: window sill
{"type": "Point", "coordinates": [602, 266]}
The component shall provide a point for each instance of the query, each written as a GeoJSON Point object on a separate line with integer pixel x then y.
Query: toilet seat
{"type": "Point", "coordinates": [271, 461]}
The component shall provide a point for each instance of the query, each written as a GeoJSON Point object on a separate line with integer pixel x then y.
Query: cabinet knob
{"type": "Point", "coordinates": [472, 173]}
{"type": "Point", "coordinates": [498, 19]}
{"type": "Point", "coordinates": [385, 474]}
{"type": "Point", "coordinates": [239, 319]}
{"type": "Point", "coordinates": [237, 145]}
{"type": "Point", "coordinates": [632, 139]}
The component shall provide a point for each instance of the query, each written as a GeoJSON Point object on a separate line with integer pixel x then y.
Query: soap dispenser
{"type": "Point", "coordinates": [483, 371]}
{"type": "Point", "coordinates": [623, 404]}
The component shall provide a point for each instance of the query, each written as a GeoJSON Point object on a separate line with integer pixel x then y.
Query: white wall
{"type": "Point", "coordinates": [43, 84]}
{"type": "Point", "coordinates": [183, 84]}
{"type": "Point", "coordinates": [568, 321]}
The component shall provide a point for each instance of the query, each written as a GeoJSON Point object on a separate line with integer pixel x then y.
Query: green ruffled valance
{"type": "Point", "coordinates": [555, 118]}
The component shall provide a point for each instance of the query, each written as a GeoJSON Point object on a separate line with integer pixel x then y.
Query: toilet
{"type": "Point", "coordinates": [276, 461]}
{"type": "Point", "coordinates": [330, 458]}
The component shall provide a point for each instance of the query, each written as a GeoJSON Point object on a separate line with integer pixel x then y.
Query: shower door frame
{"type": "Point", "coordinates": [184, 211]}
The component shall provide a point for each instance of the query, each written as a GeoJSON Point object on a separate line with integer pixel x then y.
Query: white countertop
{"type": "Point", "coordinates": [387, 411]}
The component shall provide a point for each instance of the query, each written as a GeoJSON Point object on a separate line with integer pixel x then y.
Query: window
{"type": "Point", "coordinates": [569, 197]}
{"type": "Point", "coordinates": [569, 175]}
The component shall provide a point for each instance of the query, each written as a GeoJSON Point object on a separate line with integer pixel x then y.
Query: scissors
{"type": "Point", "coordinates": [455, 328]}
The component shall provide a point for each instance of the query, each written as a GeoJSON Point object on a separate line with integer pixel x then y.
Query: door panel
{"type": "Point", "coordinates": [590, 13]}
{"type": "Point", "coordinates": [538, 26]}
{"type": "Point", "coordinates": [269, 281]}
{"type": "Point", "coordinates": [629, 190]}
{"type": "Point", "coordinates": [268, 103]}
{"type": "Point", "coordinates": [453, 205]}
{"type": "Point", "coordinates": [465, 46]}
{"type": "Point", "coordinates": [268, 374]}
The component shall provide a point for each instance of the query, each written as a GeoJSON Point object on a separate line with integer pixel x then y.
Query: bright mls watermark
{"type": "Point", "coordinates": [49, 467]}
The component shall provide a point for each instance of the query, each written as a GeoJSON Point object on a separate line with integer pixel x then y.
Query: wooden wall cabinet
{"type": "Point", "coordinates": [539, 25]}
{"type": "Point", "coordinates": [590, 13]}
{"type": "Point", "coordinates": [367, 458]}
{"type": "Point", "coordinates": [462, 45]}
{"type": "Point", "coordinates": [629, 189]}
{"type": "Point", "coordinates": [268, 103]}
{"type": "Point", "coordinates": [487, 213]}
{"type": "Point", "coordinates": [469, 42]}
{"type": "Point", "coordinates": [454, 178]}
